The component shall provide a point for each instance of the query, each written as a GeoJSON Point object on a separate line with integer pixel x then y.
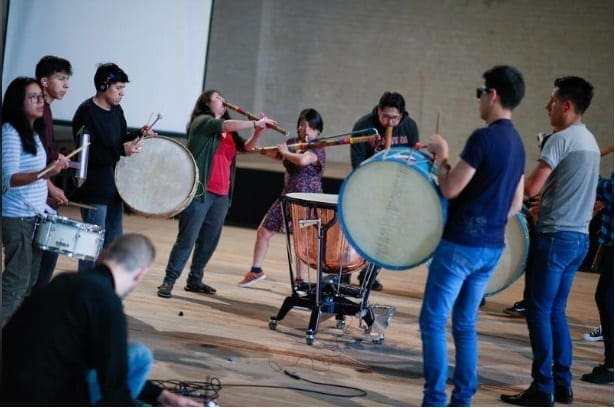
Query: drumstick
{"type": "Point", "coordinates": [89, 207]}
{"type": "Point", "coordinates": [51, 166]}
{"type": "Point", "coordinates": [438, 123]}
{"type": "Point", "coordinates": [388, 137]}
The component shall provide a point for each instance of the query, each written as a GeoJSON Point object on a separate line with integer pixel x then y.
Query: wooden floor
{"type": "Point", "coordinates": [226, 336]}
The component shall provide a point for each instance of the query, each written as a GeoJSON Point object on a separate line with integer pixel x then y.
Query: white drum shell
{"type": "Point", "coordinates": [69, 237]}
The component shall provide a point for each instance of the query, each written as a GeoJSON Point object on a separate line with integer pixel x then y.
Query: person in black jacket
{"type": "Point", "coordinates": [103, 119]}
{"type": "Point", "coordinates": [390, 112]}
{"type": "Point", "coordinates": [67, 343]}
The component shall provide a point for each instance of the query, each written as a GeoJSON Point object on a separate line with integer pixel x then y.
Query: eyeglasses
{"type": "Point", "coordinates": [390, 117]}
{"type": "Point", "coordinates": [34, 98]}
{"type": "Point", "coordinates": [482, 90]}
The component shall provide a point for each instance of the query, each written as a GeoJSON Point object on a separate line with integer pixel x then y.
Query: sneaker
{"type": "Point", "coordinates": [251, 278]}
{"type": "Point", "coordinates": [164, 290]}
{"type": "Point", "coordinates": [594, 335]}
{"type": "Point", "coordinates": [517, 310]}
{"type": "Point", "coordinates": [599, 375]}
{"type": "Point", "coordinates": [200, 287]}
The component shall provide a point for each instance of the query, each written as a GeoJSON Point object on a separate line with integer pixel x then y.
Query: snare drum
{"type": "Point", "coordinates": [338, 255]}
{"type": "Point", "coordinates": [160, 181]}
{"type": "Point", "coordinates": [391, 210]}
{"type": "Point", "coordinates": [512, 263]}
{"type": "Point", "coordinates": [69, 237]}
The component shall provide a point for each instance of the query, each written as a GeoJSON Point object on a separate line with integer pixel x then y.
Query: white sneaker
{"type": "Point", "coordinates": [594, 335]}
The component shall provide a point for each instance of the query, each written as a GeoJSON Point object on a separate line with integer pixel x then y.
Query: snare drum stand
{"type": "Point", "coordinates": [325, 296]}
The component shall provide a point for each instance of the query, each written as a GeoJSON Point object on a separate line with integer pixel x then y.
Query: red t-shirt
{"type": "Point", "coordinates": [220, 176]}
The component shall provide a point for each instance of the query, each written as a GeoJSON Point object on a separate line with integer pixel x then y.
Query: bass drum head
{"type": "Point", "coordinates": [391, 213]}
{"type": "Point", "coordinates": [160, 181]}
{"type": "Point", "coordinates": [512, 263]}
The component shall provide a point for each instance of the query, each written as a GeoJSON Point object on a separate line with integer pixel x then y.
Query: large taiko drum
{"type": "Point", "coordinates": [338, 255]}
{"type": "Point", "coordinates": [391, 209]}
{"type": "Point", "coordinates": [69, 237]}
{"type": "Point", "coordinates": [160, 181]}
{"type": "Point", "coordinates": [512, 263]}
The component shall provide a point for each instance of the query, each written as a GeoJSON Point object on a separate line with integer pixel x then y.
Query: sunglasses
{"type": "Point", "coordinates": [482, 90]}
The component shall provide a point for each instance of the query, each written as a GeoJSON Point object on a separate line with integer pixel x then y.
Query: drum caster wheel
{"type": "Point", "coordinates": [273, 324]}
{"type": "Point", "coordinates": [340, 324]}
{"type": "Point", "coordinates": [309, 338]}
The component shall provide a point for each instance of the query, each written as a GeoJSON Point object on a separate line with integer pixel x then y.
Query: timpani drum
{"type": "Point", "coordinates": [160, 181]}
{"type": "Point", "coordinates": [338, 255]}
{"type": "Point", "coordinates": [512, 263]}
{"type": "Point", "coordinates": [69, 237]}
{"type": "Point", "coordinates": [391, 209]}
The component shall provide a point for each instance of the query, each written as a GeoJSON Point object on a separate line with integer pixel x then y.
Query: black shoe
{"type": "Point", "coordinates": [517, 310]}
{"type": "Point", "coordinates": [164, 290]}
{"type": "Point", "coordinates": [599, 375]}
{"type": "Point", "coordinates": [563, 395]}
{"type": "Point", "coordinates": [377, 286]}
{"type": "Point", "coordinates": [200, 287]}
{"type": "Point", "coordinates": [530, 398]}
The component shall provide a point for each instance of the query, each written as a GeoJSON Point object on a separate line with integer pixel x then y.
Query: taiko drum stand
{"type": "Point", "coordinates": [327, 295]}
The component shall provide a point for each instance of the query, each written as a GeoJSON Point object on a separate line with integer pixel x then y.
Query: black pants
{"type": "Point", "coordinates": [604, 301]}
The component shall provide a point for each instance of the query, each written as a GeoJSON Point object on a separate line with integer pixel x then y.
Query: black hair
{"type": "Point", "coordinates": [13, 112]}
{"type": "Point", "coordinates": [201, 107]}
{"type": "Point", "coordinates": [509, 84]}
{"type": "Point", "coordinates": [49, 65]}
{"type": "Point", "coordinates": [312, 117]}
{"type": "Point", "coordinates": [108, 74]}
{"type": "Point", "coordinates": [576, 90]}
{"type": "Point", "coordinates": [392, 100]}
{"type": "Point", "coordinates": [132, 251]}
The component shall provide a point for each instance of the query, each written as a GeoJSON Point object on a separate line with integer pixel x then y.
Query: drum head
{"type": "Point", "coordinates": [320, 199]}
{"type": "Point", "coordinates": [512, 263]}
{"type": "Point", "coordinates": [160, 181]}
{"type": "Point", "coordinates": [391, 213]}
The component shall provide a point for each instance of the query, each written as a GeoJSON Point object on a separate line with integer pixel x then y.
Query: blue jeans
{"type": "Point", "coordinates": [549, 277]}
{"type": "Point", "coordinates": [457, 278]}
{"type": "Point", "coordinates": [140, 361]}
{"type": "Point", "coordinates": [107, 216]}
{"type": "Point", "coordinates": [200, 226]}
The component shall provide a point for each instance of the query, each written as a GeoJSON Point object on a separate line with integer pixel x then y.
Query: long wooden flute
{"type": "Point", "coordinates": [318, 143]}
{"type": "Point", "coordinates": [252, 116]}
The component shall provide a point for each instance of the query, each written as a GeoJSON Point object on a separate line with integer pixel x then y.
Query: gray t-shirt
{"type": "Point", "coordinates": [570, 190]}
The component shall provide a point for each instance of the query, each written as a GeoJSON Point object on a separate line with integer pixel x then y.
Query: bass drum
{"type": "Point", "coordinates": [160, 181]}
{"type": "Point", "coordinates": [512, 263]}
{"type": "Point", "coordinates": [391, 209]}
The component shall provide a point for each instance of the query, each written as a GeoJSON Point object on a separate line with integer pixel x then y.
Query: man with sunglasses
{"type": "Point", "coordinates": [390, 112]}
{"type": "Point", "coordinates": [485, 188]}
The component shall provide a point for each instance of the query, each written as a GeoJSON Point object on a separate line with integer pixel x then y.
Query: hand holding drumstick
{"type": "Point", "coordinates": [136, 145]}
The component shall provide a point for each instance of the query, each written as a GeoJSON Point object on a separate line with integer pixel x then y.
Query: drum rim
{"type": "Point", "coordinates": [180, 207]}
{"type": "Point", "coordinates": [342, 219]}
{"type": "Point", "coordinates": [526, 250]}
{"type": "Point", "coordinates": [297, 200]}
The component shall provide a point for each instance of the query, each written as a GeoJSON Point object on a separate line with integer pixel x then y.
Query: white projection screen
{"type": "Point", "coordinates": [161, 44]}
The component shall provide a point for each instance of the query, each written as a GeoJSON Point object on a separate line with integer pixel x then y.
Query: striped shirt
{"type": "Point", "coordinates": [27, 200]}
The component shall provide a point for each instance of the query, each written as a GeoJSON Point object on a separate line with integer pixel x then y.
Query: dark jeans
{"type": "Point", "coordinates": [106, 216]}
{"type": "Point", "coordinates": [48, 265]}
{"type": "Point", "coordinates": [556, 259]}
{"type": "Point", "coordinates": [199, 226]}
{"type": "Point", "coordinates": [21, 262]}
{"type": "Point", "coordinates": [604, 301]}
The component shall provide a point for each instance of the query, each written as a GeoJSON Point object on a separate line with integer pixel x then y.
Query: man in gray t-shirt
{"type": "Point", "coordinates": [567, 173]}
